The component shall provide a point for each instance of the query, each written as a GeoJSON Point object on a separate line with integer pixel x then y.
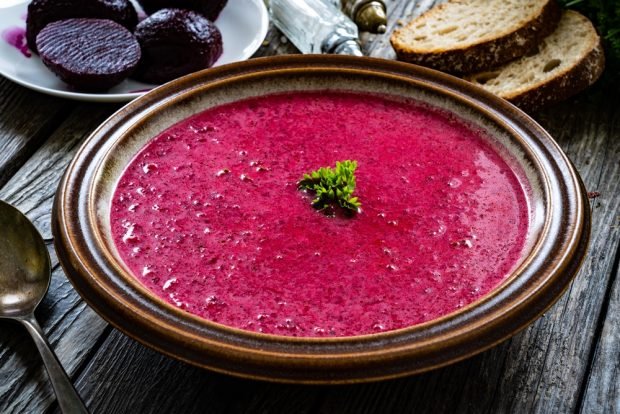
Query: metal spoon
{"type": "Point", "coordinates": [25, 274]}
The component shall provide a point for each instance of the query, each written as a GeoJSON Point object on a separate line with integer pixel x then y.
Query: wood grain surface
{"type": "Point", "coordinates": [567, 361]}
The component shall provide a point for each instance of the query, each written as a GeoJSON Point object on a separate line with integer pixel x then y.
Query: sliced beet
{"type": "Point", "coordinates": [43, 12]}
{"type": "Point", "coordinates": [89, 54]}
{"type": "Point", "coordinates": [208, 8]}
{"type": "Point", "coordinates": [176, 42]}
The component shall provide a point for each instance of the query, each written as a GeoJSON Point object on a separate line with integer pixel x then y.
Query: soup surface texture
{"type": "Point", "coordinates": [208, 215]}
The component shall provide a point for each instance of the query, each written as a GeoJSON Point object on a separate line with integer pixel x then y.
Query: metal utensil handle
{"type": "Point", "coordinates": [68, 399]}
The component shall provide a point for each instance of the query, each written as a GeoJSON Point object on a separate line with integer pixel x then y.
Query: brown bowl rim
{"type": "Point", "coordinates": [327, 360]}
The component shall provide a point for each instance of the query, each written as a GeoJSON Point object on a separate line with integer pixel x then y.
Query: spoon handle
{"type": "Point", "coordinates": [68, 399]}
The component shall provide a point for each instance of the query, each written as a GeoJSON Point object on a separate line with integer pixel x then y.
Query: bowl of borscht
{"type": "Point", "coordinates": [320, 219]}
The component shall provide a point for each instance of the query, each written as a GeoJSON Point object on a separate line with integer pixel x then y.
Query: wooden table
{"type": "Point", "coordinates": [568, 360]}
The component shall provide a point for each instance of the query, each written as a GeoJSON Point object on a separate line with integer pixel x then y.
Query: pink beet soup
{"type": "Point", "coordinates": [208, 215]}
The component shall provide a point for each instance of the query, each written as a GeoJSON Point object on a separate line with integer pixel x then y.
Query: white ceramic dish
{"type": "Point", "coordinates": [243, 24]}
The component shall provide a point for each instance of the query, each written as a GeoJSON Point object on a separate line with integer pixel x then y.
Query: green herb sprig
{"type": "Point", "coordinates": [332, 186]}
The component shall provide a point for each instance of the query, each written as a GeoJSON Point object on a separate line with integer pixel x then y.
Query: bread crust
{"type": "Point", "coordinates": [487, 54]}
{"type": "Point", "coordinates": [562, 87]}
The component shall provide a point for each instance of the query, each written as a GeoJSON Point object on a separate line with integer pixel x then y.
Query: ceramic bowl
{"type": "Point", "coordinates": [556, 242]}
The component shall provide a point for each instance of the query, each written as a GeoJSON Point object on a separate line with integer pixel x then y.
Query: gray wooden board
{"type": "Point", "coordinates": [565, 361]}
{"type": "Point", "coordinates": [26, 120]}
{"type": "Point", "coordinates": [71, 326]}
{"type": "Point", "coordinates": [602, 393]}
{"type": "Point", "coordinates": [147, 382]}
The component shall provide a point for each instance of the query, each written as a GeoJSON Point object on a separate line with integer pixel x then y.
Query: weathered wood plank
{"type": "Point", "coordinates": [540, 370]}
{"type": "Point", "coordinates": [602, 391]}
{"type": "Point", "coordinates": [589, 136]}
{"type": "Point", "coordinates": [438, 391]}
{"type": "Point", "coordinates": [33, 187]}
{"type": "Point", "coordinates": [71, 326]}
{"type": "Point", "coordinates": [275, 44]}
{"type": "Point", "coordinates": [399, 14]}
{"type": "Point", "coordinates": [26, 120]}
{"type": "Point", "coordinates": [126, 377]}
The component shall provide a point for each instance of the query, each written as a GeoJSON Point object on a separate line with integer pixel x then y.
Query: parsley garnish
{"type": "Point", "coordinates": [332, 186]}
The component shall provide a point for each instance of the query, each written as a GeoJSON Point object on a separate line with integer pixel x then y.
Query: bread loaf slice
{"type": "Point", "coordinates": [568, 61]}
{"type": "Point", "coordinates": [465, 36]}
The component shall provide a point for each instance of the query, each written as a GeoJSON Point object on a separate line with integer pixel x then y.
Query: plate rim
{"type": "Point", "coordinates": [129, 96]}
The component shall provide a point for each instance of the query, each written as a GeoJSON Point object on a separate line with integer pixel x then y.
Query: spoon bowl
{"type": "Point", "coordinates": [25, 275]}
{"type": "Point", "coordinates": [24, 264]}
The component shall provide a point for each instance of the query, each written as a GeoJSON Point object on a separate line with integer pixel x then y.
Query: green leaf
{"type": "Point", "coordinates": [332, 186]}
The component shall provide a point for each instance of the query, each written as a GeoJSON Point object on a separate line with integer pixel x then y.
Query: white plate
{"type": "Point", "coordinates": [243, 24]}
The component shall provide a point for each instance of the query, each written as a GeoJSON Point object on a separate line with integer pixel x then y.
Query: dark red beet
{"type": "Point", "coordinates": [43, 12]}
{"type": "Point", "coordinates": [209, 8]}
{"type": "Point", "coordinates": [176, 42]}
{"type": "Point", "coordinates": [89, 54]}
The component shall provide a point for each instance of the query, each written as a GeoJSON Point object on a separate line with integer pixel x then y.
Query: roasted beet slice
{"type": "Point", "coordinates": [89, 54]}
{"type": "Point", "coordinates": [176, 42]}
{"type": "Point", "coordinates": [209, 8]}
{"type": "Point", "coordinates": [43, 12]}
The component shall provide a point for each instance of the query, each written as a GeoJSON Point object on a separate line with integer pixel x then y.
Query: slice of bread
{"type": "Point", "coordinates": [568, 61]}
{"type": "Point", "coordinates": [465, 36]}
